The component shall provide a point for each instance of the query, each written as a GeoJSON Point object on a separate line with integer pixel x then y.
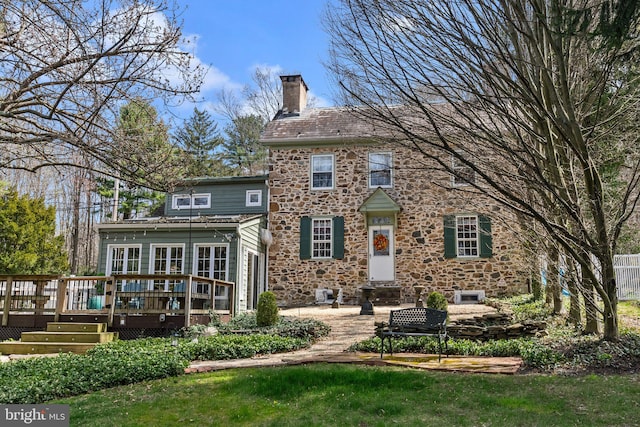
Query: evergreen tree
{"type": "Point", "coordinates": [146, 139]}
{"type": "Point", "coordinates": [199, 138]}
{"type": "Point", "coordinates": [28, 244]}
{"type": "Point", "coordinates": [242, 149]}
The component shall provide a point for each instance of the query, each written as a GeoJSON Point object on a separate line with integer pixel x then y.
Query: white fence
{"type": "Point", "coordinates": [627, 270]}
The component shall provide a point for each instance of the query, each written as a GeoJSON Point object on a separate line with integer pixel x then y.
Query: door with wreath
{"type": "Point", "coordinates": [381, 253]}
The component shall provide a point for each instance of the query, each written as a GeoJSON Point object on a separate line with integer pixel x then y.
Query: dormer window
{"type": "Point", "coordinates": [191, 201]}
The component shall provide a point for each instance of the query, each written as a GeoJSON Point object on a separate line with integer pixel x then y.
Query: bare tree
{"type": "Point", "coordinates": [538, 97]}
{"type": "Point", "coordinates": [66, 67]}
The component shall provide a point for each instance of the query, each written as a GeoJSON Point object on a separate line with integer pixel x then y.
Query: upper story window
{"type": "Point", "coordinates": [462, 174]}
{"type": "Point", "coordinates": [322, 172]}
{"type": "Point", "coordinates": [254, 198]}
{"type": "Point", "coordinates": [380, 170]}
{"type": "Point", "coordinates": [188, 201]}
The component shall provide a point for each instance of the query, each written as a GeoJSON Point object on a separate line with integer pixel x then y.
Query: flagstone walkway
{"type": "Point", "coordinates": [349, 327]}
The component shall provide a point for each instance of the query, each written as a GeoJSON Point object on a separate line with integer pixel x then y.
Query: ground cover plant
{"type": "Point", "coordinates": [563, 350]}
{"type": "Point", "coordinates": [126, 362]}
{"type": "Point", "coordinates": [356, 395]}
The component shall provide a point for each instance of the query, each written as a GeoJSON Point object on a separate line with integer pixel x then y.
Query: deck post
{"type": "Point", "coordinates": [110, 298]}
{"type": "Point", "coordinates": [61, 299]}
{"type": "Point", "coordinates": [7, 302]}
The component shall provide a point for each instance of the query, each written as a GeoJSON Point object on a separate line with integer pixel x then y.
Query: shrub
{"type": "Point", "coordinates": [438, 301]}
{"type": "Point", "coordinates": [267, 313]}
{"type": "Point", "coordinates": [309, 329]}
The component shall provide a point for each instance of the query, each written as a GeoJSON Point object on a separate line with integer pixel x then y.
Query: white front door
{"type": "Point", "coordinates": [381, 253]}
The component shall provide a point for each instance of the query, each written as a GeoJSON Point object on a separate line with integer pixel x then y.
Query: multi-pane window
{"type": "Point", "coordinates": [187, 201]}
{"type": "Point", "coordinates": [123, 260]}
{"type": "Point", "coordinates": [212, 261]}
{"type": "Point", "coordinates": [322, 172]}
{"type": "Point", "coordinates": [166, 260]}
{"type": "Point", "coordinates": [467, 236]}
{"type": "Point", "coordinates": [321, 238]}
{"type": "Point", "coordinates": [462, 174]}
{"type": "Point", "coordinates": [380, 170]}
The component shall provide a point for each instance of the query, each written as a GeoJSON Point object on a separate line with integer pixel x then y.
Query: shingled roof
{"type": "Point", "coordinates": [315, 124]}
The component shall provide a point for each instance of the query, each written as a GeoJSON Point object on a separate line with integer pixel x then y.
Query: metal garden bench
{"type": "Point", "coordinates": [415, 322]}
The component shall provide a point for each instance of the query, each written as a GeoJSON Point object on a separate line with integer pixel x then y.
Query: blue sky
{"type": "Point", "coordinates": [234, 36]}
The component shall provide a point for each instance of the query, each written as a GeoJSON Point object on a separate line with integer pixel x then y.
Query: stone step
{"type": "Point", "coordinates": [18, 347]}
{"type": "Point", "coordinates": [76, 327]}
{"type": "Point", "coordinates": [69, 337]}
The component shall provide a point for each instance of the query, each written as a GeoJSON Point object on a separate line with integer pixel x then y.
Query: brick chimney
{"type": "Point", "coordinates": [294, 94]}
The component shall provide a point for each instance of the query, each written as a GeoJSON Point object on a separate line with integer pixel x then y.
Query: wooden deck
{"type": "Point", "coordinates": [132, 301]}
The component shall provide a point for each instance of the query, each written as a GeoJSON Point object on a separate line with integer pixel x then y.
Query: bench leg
{"type": "Point", "coordinates": [446, 345]}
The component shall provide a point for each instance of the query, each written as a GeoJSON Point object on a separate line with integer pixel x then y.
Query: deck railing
{"type": "Point", "coordinates": [115, 296]}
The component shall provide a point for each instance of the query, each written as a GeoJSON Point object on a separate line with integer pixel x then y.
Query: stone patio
{"type": "Point", "coordinates": [349, 327]}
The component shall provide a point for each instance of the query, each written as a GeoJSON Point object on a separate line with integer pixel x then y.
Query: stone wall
{"type": "Point", "coordinates": [424, 197]}
{"type": "Point", "coordinates": [494, 326]}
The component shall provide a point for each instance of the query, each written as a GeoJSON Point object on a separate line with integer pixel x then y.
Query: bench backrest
{"type": "Point", "coordinates": [418, 316]}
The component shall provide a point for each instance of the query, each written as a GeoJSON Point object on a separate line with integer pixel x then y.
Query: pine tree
{"type": "Point", "coordinates": [242, 149]}
{"type": "Point", "coordinates": [199, 138]}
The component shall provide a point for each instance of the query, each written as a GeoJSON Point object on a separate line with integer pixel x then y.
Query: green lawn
{"type": "Point", "coordinates": [353, 395]}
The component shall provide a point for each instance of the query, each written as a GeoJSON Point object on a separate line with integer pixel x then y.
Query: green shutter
{"type": "Point", "coordinates": [305, 237]}
{"type": "Point", "coordinates": [450, 236]}
{"type": "Point", "coordinates": [486, 242]}
{"type": "Point", "coordinates": [338, 237]}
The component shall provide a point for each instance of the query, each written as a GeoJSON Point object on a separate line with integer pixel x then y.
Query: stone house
{"type": "Point", "coordinates": [347, 211]}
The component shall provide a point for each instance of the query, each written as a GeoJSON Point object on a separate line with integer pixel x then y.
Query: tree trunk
{"type": "Point", "coordinates": [590, 307]}
{"type": "Point", "coordinates": [575, 317]}
{"type": "Point", "coordinates": [611, 332]}
{"type": "Point", "coordinates": [553, 280]}
{"type": "Point", "coordinates": [75, 228]}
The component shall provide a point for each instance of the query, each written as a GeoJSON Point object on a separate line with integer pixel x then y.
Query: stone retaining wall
{"type": "Point", "coordinates": [494, 326]}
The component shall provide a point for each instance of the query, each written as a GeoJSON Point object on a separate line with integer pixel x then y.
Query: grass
{"type": "Point", "coordinates": [353, 395]}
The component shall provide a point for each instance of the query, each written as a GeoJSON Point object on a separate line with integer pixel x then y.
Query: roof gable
{"type": "Point", "coordinates": [379, 201]}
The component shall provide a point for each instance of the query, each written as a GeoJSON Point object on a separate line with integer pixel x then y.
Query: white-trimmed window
{"type": "Point", "coordinates": [380, 165]}
{"type": "Point", "coordinates": [467, 237]}
{"type": "Point", "coordinates": [191, 201]}
{"type": "Point", "coordinates": [123, 259]}
{"type": "Point", "coordinates": [322, 172]}
{"type": "Point", "coordinates": [321, 237]}
{"type": "Point", "coordinates": [254, 198]}
{"type": "Point", "coordinates": [213, 261]}
{"type": "Point", "coordinates": [463, 175]}
{"type": "Point", "coordinates": [166, 259]}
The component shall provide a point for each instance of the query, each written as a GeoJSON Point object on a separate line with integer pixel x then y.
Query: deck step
{"type": "Point", "coordinates": [18, 347]}
{"type": "Point", "coordinates": [70, 337]}
{"type": "Point", "coordinates": [60, 337]}
{"type": "Point", "coordinates": [76, 327]}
